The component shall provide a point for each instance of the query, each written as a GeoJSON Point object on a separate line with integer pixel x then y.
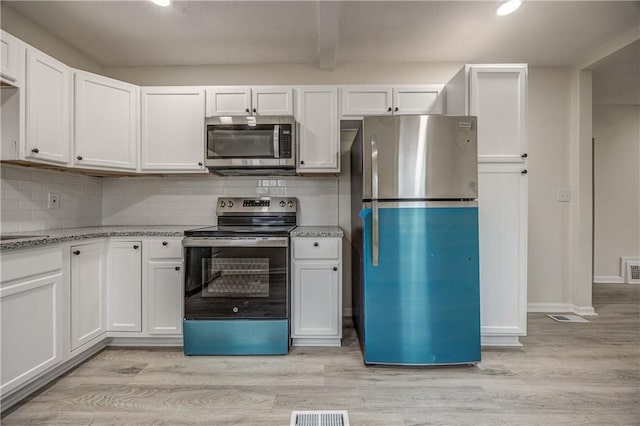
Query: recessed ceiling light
{"type": "Point", "coordinates": [163, 3]}
{"type": "Point", "coordinates": [508, 7]}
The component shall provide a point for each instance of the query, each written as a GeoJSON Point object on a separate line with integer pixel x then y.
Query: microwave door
{"type": "Point", "coordinates": [242, 145]}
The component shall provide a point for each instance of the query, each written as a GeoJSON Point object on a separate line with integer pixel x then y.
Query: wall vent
{"type": "Point", "coordinates": [320, 418]}
{"type": "Point", "coordinates": [632, 271]}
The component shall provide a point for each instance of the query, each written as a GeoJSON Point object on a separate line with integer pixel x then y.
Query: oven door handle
{"type": "Point", "coordinates": [230, 242]}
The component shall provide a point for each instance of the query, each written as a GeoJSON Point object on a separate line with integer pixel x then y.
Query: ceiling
{"type": "Point", "coordinates": [138, 33]}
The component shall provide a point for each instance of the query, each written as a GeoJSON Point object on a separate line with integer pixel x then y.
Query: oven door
{"type": "Point", "coordinates": [229, 278]}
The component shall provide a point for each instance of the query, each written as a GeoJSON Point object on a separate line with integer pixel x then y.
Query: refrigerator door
{"type": "Point", "coordinates": [421, 303]}
{"type": "Point", "coordinates": [420, 157]}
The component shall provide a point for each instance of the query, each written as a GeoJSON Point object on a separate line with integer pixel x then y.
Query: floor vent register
{"type": "Point", "coordinates": [567, 318]}
{"type": "Point", "coordinates": [319, 418]}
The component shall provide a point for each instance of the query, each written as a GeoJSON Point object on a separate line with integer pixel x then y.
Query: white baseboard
{"type": "Point", "coordinates": [502, 341]}
{"type": "Point", "coordinates": [146, 341]}
{"type": "Point", "coordinates": [608, 280]}
{"type": "Point", "coordinates": [561, 307]}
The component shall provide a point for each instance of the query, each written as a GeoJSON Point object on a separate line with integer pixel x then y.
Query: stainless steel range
{"type": "Point", "coordinates": [236, 295]}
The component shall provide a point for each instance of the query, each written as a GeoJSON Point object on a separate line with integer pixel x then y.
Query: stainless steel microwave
{"type": "Point", "coordinates": [250, 143]}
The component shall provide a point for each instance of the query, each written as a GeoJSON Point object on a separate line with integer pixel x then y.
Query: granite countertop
{"type": "Point", "coordinates": [54, 236]}
{"type": "Point", "coordinates": [317, 231]}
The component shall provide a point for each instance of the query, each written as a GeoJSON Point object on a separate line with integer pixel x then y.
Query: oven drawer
{"type": "Point", "coordinates": [169, 247]}
{"type": "Point", "coordinates": [315, 248]}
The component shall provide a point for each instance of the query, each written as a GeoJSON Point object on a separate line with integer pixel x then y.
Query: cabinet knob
{"type": "Point", "coordinates": [79, 157]}
{"type": "Point", "coordinates": [200, 164]}
{"type": "Point", "coordinates": [255, 110]}
{"type": "Point", "coordinates": [524, 172]}
{"type": "Point", "coordinates": [247, 110]}
{"type": "Point", "coordinates": [136, 247]}
{"type": "Point", "coordinates": [301, 161]}
{"type": "Point", "coordinates": [165, 243]}
{"type": "Point", "coordinates": [316, 244]}
{"type": "Point", "coordinates": [397, 109]}
{"type": "Point", "coordinates": [177, 268]}
{"type": "Point", "coordinates": [76, 252]}
{"type": "Point", "coordinates": [35, 150]}
{"type": "Point", "coordinates": [525, 155]}
{"type": "Point", "coordinates": [335, 268]}
{"type": "Point", "coordinates": [389, 109]}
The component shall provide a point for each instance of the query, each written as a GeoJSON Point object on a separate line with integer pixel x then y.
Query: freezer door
{"type": "Point", "coordinates": [420, 157]}
{"type": "Point", "coordinates": [421, 303]}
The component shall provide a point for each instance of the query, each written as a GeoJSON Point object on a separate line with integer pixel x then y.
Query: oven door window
{"type": "Point", "coordinates": [236, 282]}
{"type": "Point", "coordinates": [240, 141]}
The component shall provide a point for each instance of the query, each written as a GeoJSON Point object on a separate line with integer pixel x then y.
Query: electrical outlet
{"type": "Point", "coordinates": [54, 200]}
{"type": "Point", "coordinates": [564, 196]}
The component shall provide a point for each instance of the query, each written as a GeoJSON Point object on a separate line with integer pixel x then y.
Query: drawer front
{"type": "Point", "coordinates": [316, 248]}
{"type": "Point", "coordinates": [169, 247]}
{"type": "Point", "coordinates": [27, 264]}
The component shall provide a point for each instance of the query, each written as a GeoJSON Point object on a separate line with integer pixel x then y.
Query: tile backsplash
{"type": "Point", "coordinates": [191, 200]}
{"type": "Point", "coordinates": [25, 199]}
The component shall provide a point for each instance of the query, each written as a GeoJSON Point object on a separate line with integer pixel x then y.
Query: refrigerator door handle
{"type": "Point", "coordinates": [374, 200]}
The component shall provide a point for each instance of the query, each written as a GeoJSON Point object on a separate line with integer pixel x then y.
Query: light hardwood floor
{"type": "Point", "coordinates": [566, 374]}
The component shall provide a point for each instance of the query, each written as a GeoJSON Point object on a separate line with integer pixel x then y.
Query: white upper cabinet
{"type": "Point", "coordinates": [173, 131]}
{"type": "Point", "coordinates": [243, 100]}
{"type": "Point", "coordinates": [426, 99]}
{"type": "Point", "coordinates": [11, 59]}
{"type": "Point", "coordinates": [366, 100]}
{"type": "Point", "coordinates": [48, 135]}
{"type": "Point", "coordinates": [497, 95]}
{"type": "Point", "coordinates": [317, 117]}
{"type": "Point", "coordinates": [228, 101]}
{"type": "Point", "coordinates": [106, 123]}
{"type": "Point", "coordinates": [358, 101]}
{"type": "Point", "coordinates": [272, 101]}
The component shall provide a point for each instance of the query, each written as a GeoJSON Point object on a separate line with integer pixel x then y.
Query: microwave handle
{"type": "Point", "coordinates": [276, 141]}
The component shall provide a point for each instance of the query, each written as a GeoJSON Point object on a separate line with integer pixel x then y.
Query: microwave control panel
{"type": "Point", "coordinates": [285, 141]}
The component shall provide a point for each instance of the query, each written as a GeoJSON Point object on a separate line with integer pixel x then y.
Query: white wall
{"type": "Point", "coordinates": [191, 200]}
{"type": "Point", "coordinates": [548, 142]}
{"type": "Point", "coordinates": [25, 199]}
{"type": "Point", "coordinates": [616, 129]}
{"type": "Point", "coordinates": [29, 32]}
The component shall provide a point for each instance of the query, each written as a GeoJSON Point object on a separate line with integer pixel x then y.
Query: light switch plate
{"type": "Point", "coordinates": [564, 196]}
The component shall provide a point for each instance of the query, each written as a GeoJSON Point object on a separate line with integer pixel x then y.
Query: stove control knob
{"type": "Point", "coordinates": [230, 203]}
{"type": "Point", "coordinates": [282, 203]}
{"type": "Point", "coordinates": [290, 204]}
{"type": "Point", "coordinates": [222, 203]}
{"type": "Point", "coordinates": [235, 309]}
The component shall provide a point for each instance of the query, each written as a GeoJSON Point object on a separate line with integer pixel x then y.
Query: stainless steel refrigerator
{"type": "Point", "coordinates": [415, 240]}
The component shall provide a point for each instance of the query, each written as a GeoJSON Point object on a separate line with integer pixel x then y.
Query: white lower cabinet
{"type": "Point", "coordinates": [124, 286]}
{"type": "Point", "coordinates": [31, 306]}
{"type": "Point", "coordinates": [316, 313]}
{"type": "Point", "coordinates": [88, 293]}
{"type": "Point", "coordinates": [163, 286]}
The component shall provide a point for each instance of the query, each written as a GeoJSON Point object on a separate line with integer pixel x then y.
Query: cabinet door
{"type": "Point", "coordinates": [11, 59]}
{"type": "Point", "coordinates": [426, 99]}
{"type": "Point", "coordinates": [48, 109]}
{"type": "Point", "coordinates": [366, 100]}
{"type": "Point", "coordinates": [228, 101]}
{"type": "Point", "coordinates": [173, 132]}
{"type": "Point", "coordinates": [106, 122]}
{"type": "Point", "coordinates": [317, 117]}
{"type": "Point", "coordinates": [87, 293]}
{"type": "Point", "coordinates": [164, 280]}
{"type": "Point", "coordinates": [502, 209]}
{"type": "Point", "coordinates": [497, 95]}
{"type": "Point", "coordinates": [32, 334]}
{"type": "Point", "coordinates": [272, 101]}
{"type": "Point", "coordinates": [124, 286]}
{"type": "Point", "coordinates": [316, 296]}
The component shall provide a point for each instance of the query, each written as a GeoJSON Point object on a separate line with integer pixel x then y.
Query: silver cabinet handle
{"type": "Point", "coordinates": [276, 141]}
{"type": "Point", "coordinates": [374, 200]}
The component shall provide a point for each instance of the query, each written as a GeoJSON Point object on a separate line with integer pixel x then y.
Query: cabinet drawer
{"type": "Point", "coordinates": [27, 264]}
{"type": "Point", "coordinates": [316, 248]}
{"type": "Point", "coordinates": [164, 248]}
